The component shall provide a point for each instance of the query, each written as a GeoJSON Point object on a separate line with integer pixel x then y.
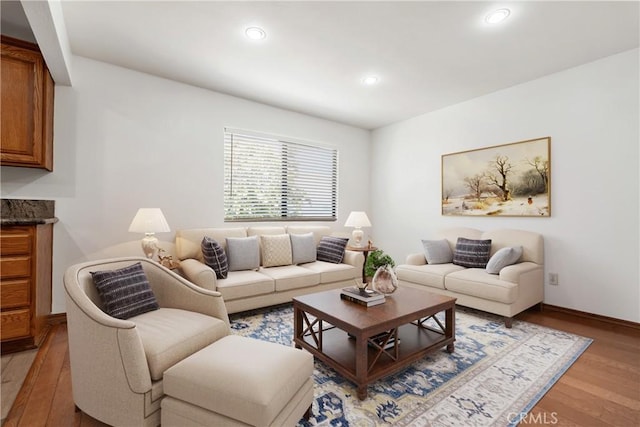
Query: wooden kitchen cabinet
{"type": "Point", "coordinates": [27, 106]}
{"type": "Point", "coordinates": [25, 285]}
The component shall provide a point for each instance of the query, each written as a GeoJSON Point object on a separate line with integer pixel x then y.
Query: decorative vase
{"type": "Point", "coordinates": [385, 280]}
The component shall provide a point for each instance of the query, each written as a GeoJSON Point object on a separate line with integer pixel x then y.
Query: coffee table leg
{"type": "Point", "coordinates": [361, 367]}
{"type": "Point", "coordinates": [450, 327]}
{"type": "Point", "coordinates": [297, 324]}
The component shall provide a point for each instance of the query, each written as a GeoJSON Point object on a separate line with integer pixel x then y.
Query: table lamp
{"type": "Point", "coordinates": [149, 221]}
{"type": "Point", "coordinates": [357, 220]}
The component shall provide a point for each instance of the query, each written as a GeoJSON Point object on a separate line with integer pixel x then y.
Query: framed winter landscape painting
{"type": "Point", "coordinates": [503, 180]}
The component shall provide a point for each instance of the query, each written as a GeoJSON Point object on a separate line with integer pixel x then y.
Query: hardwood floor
{"type": "Point", "coordinates": [602, 388]}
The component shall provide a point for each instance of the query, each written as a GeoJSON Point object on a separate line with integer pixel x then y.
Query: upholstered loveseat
{"type": "Point", "coordinates": [508, 291]}
{"type": "Point", "coordinates": [264, 285]}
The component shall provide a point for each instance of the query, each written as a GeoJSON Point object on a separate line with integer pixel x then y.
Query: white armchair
{"type": "Point", "coordinates": [117, 365]}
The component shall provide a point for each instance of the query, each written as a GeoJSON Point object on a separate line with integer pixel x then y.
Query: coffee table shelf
{"type": "Point", "coordinates": [341, 349]}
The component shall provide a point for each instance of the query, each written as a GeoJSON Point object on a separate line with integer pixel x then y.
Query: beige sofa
{"type": "Point", "coordinates": [249, 289]}
{"type": "Point", "coordinates": [516, 287]}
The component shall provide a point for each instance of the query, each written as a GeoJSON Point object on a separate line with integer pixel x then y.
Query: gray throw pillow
{"type": "Point", "coordinates": [331, 249]}
{"type": "Point", "coordinates": [215, 257]}
{"type": "Point", "coordinates": [502, 258]}
{"type": "Point", "coordinates": [243, 253]}
{"type": "Point", "coordinates": [437, 251]}
{"type": "Point", "coordinates": [125, 292]}
{"type": "Point", "coordinates": [472, 253]}
{"type": "Point", "coordinates": [303, 247]}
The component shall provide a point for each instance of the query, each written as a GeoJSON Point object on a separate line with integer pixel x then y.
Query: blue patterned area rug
{"type": "Point", "coordinates": [494, 377]}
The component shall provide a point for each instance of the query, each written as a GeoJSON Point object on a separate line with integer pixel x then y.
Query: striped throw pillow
{"type": "Point", "coordinates": [331, 249]}
{"type": "Point", "coordinates": [472, 253]}
{"type": "Point", "coordinates": [125, 292]}
{"type": "Point", "coordinates": [215, 257]}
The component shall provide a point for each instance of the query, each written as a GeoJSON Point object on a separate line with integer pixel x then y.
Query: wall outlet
{"type": "Point", "coordinates": [553, 279]}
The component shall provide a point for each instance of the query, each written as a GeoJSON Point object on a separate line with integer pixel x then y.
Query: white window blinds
{"type": "Point", "coordinates": [268, 178]}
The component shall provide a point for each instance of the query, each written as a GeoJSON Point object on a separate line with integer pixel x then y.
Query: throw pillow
{"type": "Point", "coordinates": [331, 249]}
{"type": "Point", "coordinates": [276, 250]}
{"type": "Point", "coordinates": [125, 292]}
{"type": "Point", "coordinates": [472, 253]}
{"type": "Point", "coordinates": [303, 248]}
{"type": "Point", "coordinates": [437, 251]}
{"type": "Point", "coordinates": [243, 253]}
{"type": "Point", "coordinates": [215, 257]}
{"type": "Point", "coordinates": [502, 258]}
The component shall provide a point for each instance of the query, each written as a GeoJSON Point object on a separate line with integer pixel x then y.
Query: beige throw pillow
{"type": "Point", "coordinates": [276, 250]}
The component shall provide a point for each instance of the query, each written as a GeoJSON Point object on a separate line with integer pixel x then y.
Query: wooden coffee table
{"type": "Point", "coordinates": [338, 332]}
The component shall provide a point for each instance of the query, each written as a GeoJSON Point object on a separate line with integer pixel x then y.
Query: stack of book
{"type": "Point", "coordinates": [380, 338]}
{"type": "Point", "coordinates": [367, 297]}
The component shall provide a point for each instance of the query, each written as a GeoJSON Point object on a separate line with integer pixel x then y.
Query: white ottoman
{"type": "Point", "coordinates": [239, 381]}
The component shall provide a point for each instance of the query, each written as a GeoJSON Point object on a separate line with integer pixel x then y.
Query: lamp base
{"type": "Point", "coordinates": [150, 245]}
{"type": "Point", "coordinates": [357, 236]}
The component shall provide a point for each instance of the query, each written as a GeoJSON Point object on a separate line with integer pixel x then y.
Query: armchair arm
{"type": "Point", "coordinates": [103, 349]}
{"type": "Point", "coordinates": [416, 259]}
{"type": "Point", "coordinates": [199, 273]}
{"type": "Point", "coordinates": [173, 291]}
{"type": "Point", "coordinates": [353, 258]}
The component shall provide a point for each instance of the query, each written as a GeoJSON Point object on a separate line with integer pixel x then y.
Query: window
{"type": "Point", "coordinates": [268, 178]}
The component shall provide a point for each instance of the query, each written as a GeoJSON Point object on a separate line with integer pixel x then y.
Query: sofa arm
{"type": "Point", "coordinates": [512, 273]}
{"type": "Point", "coordinates": [353, 258]}
{"type": "Point", "coordinates": [416, 259]}
{"type": "Point", "coordinates": [199, 273]}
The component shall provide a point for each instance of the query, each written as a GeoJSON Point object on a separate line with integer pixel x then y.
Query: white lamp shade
{"type": "Point", "coordinates": [149, 220]}
{"type": "Point", "coordinates": [357, 219]}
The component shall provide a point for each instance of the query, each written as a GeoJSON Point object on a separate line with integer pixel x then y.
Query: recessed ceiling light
{"type": "Point", "coordinates": [255, 33]}
{"type": "Point", "coordinates": [370, 80]}
{"type": "Point", "coordinates": [497, 16]}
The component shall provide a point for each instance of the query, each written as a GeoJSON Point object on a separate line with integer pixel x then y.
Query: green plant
{"type": "Point", "coordinates": [375, 260]}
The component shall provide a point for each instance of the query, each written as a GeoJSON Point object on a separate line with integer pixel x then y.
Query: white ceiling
{"type": "Point", "coordinates": [428, 55]}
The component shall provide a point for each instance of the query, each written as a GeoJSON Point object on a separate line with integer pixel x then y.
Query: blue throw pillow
{"type": "Point", "coordinates": [125, 292]}
{"type": "Point", "coordinates": [215, 257]}
{"type": "Point", "coordinates": [331, 249]}
{"type": "Point", "coordinates": [472, 253]}
{"type": "Point", "coordinates": [502, 258]}
{"type": "Point", "coordinates": [303, 248]}
{"type": "Point", "coordinates": [243, 253]}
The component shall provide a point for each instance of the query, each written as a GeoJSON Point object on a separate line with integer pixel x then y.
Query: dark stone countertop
{"type": "Point", "coordinates": [27, 212]}
{"type": "Point", "coordinates": [27, 221]}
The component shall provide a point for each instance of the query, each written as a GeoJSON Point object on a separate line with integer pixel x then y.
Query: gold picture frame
{"type": "Point", "coordinates": [503, 180]}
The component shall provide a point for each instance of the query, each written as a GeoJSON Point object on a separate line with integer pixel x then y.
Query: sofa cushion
{"type": "Point", "coordinates": [276, 250]}
{"type": "Point", "coordinates": [303, 248]}
{"type": "Point", "coordinates": [169, 335]}
{"type": "Point", "coordinates": [431, 275]}
{"type": "Point", "coordinates": [246, 380]}
{"type": "Point", "coordinates": [437, 251]}
{"type": "Point", "coordinates": [478, 283]}
{"type": "Point", "coordinates": [472, 253]}
{"type": "Point", "coordinates": [330, 272]}
{"type": "Point", "coordinates": [331, 249]}
{"type": "Point", "coordinates": [125, 292]}
{"type": "Point", "coordinates": [243, 253]}
{"type": "Point", "coordinates": [243, 284]}
{"type": "Point", "coordinates": [502, 258]}
{"type": "Point", "coordinates": [215, 257]}
{"type": "Point", "coordinates": [291, 277]}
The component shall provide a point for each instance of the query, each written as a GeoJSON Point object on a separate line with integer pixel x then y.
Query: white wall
{"type": "Point", "coordinates": [125, 140]}
{"type": "Point", "coordinates": [592, 237]}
